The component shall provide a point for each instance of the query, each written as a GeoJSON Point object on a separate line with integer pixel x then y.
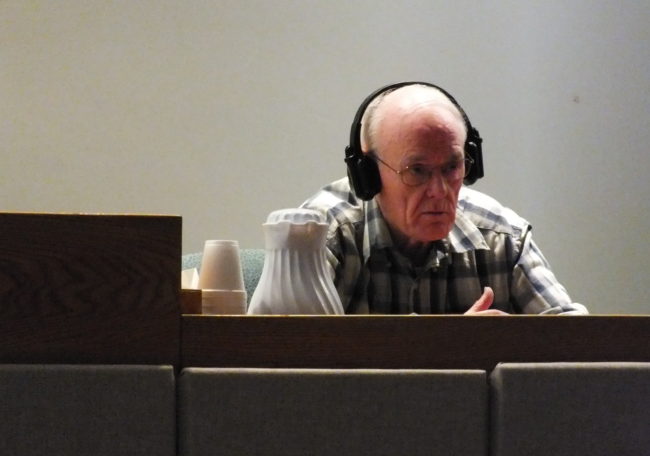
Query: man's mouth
{"type": "Point", "coordinates": [435, 213]}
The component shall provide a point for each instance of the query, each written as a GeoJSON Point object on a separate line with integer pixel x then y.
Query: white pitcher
{"type": "Point", "coordinates": [295, 278]}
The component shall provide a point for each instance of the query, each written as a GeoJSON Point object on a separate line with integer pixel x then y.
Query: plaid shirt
{"type": "Point", "coordinates": [489, 245]}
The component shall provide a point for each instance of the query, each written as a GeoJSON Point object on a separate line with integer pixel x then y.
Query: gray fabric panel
{"type": "Point", "coordinates": [87, 410]}
{"type": "Point", "coordinates": [570, 409]}
{"type": "Point", "coordinates": [332, 412]}
{"type": "Point", "coordinates": [252, 263]}
{"type": "Point", "coordinates": [191, 260]}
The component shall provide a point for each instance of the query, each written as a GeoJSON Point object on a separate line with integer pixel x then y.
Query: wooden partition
{"type": "Point", "coordinates": [105, 289]}
{"type": "Point", "coordinates": [393, 342]}
{"type": "Point", "coordinates": [79, 288]}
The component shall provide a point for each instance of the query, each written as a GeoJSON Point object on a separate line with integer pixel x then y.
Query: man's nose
{"type": "Point", "coordinates": [437, 186]}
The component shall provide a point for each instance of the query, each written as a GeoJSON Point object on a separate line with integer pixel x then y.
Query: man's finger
{"type": "Point", "coordinates": [484, 302]}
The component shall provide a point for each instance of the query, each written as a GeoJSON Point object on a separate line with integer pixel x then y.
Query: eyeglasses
{"type": "Point", "coordinates": [415, 175]}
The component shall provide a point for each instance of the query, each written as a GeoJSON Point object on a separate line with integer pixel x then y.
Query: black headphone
{"type": "Point", "coordinates": [363, 172]}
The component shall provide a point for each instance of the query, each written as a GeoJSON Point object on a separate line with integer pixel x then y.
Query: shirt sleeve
{"type": "Point", "coordinates": [535, 288]}
{"type": "Point", "coordinates": [344, 259]}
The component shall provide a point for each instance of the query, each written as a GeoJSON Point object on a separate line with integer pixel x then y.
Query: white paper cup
{"type": "Point", "coordinates": [223, 302]}
{"type": "Point", "coordinates": [221, 266]}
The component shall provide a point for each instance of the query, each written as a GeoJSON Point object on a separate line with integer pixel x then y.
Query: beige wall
{"type": "Point", "coordinates": [222, 111]}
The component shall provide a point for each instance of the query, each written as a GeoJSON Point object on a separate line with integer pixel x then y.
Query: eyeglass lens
{"type": "Point", "coordinates": [420, 174]}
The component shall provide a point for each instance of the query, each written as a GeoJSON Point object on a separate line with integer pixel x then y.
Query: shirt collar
{"type": "Point", "coordinates": [464, 236]}
{"type": "Point", "coordinates": [376, 235]}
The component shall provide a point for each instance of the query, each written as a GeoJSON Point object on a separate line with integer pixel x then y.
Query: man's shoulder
{"type": "Point", "coordinates": [489, 214]}
{"type": "Point", "coordinates": [337, 202]}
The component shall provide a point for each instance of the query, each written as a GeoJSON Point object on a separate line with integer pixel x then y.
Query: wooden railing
{"type": "Point", "coordinates": [400, 342]}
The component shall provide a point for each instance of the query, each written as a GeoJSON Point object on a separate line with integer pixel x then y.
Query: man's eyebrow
{"type": "Point", "coordinates": [425, 158]}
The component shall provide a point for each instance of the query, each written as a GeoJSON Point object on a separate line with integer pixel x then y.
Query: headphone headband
{"type": "Point", "coordinates": [362, 170]}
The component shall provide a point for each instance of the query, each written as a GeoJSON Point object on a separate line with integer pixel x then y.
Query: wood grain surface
{"type": "Point", "coordinates": [394, 342]}
{"type": "Point", "coordinates": [89, 288]}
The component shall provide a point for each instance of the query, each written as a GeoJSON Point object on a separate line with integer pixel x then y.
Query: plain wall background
{"type": "Point", "coordinates": [222, 111]}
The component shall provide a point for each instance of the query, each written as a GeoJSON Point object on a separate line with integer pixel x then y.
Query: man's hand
{"type": "Point", "coordinates": [482, 306]}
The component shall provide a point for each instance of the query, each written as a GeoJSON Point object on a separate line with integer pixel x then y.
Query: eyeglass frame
{"type": "Point", "coordinates": [467, 163]}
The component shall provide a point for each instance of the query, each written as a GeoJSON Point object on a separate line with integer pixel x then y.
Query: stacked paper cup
{"type": "Point", "coordinates": [221, 279]}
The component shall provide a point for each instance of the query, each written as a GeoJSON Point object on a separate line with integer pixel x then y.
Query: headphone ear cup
{"type": "Point", "coordinates": [470, 151]}
{"type": "Point", "coordinates": [363, 174]}
{"type": "Point", "coordinates": [474, 151]}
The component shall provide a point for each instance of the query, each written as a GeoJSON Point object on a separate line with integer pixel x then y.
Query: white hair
{"type": "Point", "coordinates": [373, 116]}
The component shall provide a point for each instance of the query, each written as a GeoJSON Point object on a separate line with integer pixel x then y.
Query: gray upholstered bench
{"type": "Point", "coordinates": [332, 412]}
{"type": "Point", "coordinates": [98, 410]}
{"type": "Point", "coordinates": [570, 409]}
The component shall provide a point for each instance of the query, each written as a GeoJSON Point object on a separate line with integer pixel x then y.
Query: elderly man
{"type": "Point", "coordinates": [406, 236]}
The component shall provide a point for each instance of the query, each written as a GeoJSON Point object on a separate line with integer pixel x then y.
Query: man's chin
{"type": "Point", "coordinates": [434, 232]}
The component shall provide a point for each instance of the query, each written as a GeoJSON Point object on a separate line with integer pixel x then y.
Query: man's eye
{"type": "Point", "coordinates": [451, 167]}
{"type": "Point", "coordinates": [419, 170]}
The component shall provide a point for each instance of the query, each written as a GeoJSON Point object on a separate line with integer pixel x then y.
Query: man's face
{"type": "Point", "coordinates": [427, 135]}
